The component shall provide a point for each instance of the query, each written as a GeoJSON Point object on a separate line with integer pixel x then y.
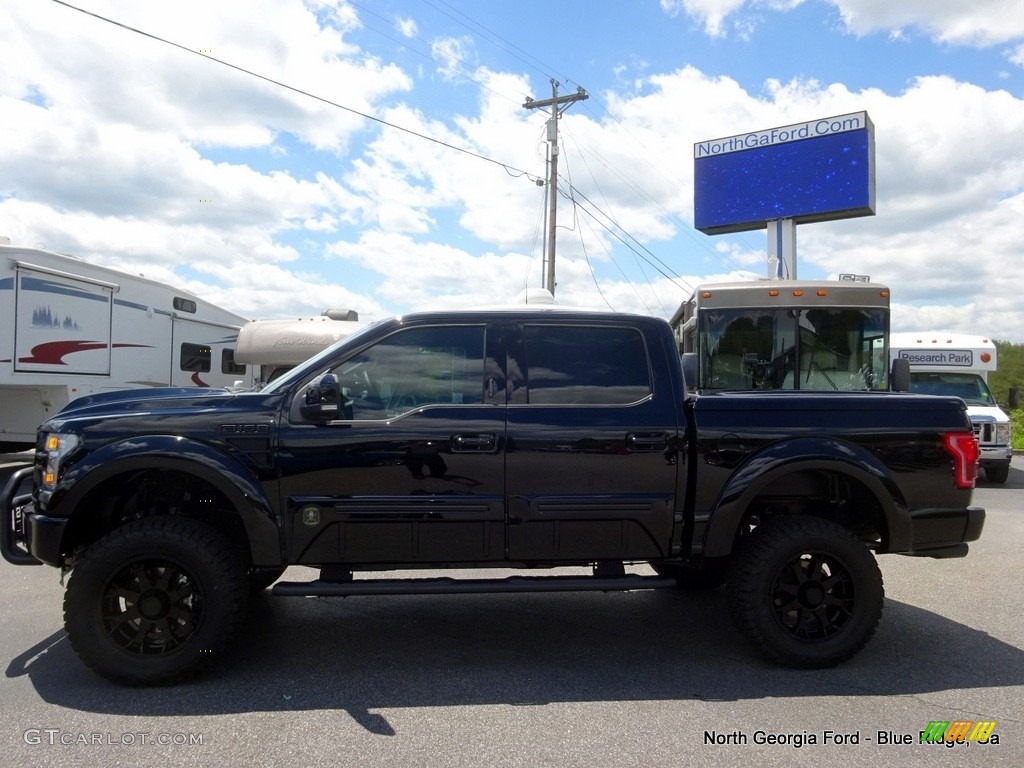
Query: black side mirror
{"type": "Point", "coordinates": [899, 375]}
{"type": "Point", "coordinates": [1014, 397]}
{"type": "Point", "coordinates": [321, 399]}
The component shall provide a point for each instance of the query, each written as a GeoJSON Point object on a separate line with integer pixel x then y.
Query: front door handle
{"type": "Point", "coordinates": [479, 442]}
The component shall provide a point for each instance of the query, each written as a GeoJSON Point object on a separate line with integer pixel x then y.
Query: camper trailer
{"type": "Point", "coordinates": [69, 328]}
{"type": "Point", "coordinates": [275, 346]}
{"type": "Point", "coordinates": [958, 364]}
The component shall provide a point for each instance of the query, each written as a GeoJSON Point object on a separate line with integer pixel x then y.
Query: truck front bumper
{"type": "Point", "coordinates": [944, 533]}
{"type": "Point", "coordinates": [27, 538]}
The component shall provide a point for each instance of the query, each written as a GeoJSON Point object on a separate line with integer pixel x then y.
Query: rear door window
{"type": "Point", "coordinates": [584, 365]}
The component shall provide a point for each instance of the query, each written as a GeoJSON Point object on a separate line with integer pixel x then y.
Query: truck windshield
{"type": "Point", "coordinates": [788, 348]}
{"type": "Point", "coordinates": [969, 387]}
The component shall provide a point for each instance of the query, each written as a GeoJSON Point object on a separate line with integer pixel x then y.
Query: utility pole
{"type": "Point", "coordinates": [555, 103]}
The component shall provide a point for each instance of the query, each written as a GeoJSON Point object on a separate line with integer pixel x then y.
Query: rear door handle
{"type": "Point", "coordinates": [646, 441]}
{"type": "Point", "coordinates": [480, 442]}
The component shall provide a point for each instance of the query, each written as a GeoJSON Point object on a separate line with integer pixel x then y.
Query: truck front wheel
{"type": "Point", "coordinates": [155, 601]}
{"type": "Point", "coordinates": [806, 591]}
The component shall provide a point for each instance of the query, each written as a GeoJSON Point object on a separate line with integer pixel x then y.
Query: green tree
{"type": "Point", "coordinates": [1010, 373]}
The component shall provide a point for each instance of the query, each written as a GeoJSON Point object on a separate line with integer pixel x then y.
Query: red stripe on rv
{"type": "Point", "coordinates": [54, 352]}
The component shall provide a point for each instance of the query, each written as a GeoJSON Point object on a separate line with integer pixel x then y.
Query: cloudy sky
{"type": "Point", "coordinates": [279, 157]}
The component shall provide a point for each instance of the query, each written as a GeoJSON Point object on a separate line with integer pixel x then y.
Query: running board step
{"type": "Point", "coordinates": [449, 586]}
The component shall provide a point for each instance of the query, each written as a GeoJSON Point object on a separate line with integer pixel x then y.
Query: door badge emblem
{"type": "Point", "coordinates": [310, 515]}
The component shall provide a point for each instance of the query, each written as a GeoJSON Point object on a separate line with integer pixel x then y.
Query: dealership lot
{"type": "Point", "coordinates": [643, 678]}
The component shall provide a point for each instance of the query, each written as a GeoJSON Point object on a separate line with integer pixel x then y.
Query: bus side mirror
{"type": "Point", "coordinates": [899, 375]}
{"type": "Point", "coordinates": [690, 370]}
{"type": "Point", "coordinates": [1014, 397]}
{"type": "Point", "coordinates": [321, 399]}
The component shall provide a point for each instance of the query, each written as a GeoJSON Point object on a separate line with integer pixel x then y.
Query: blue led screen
{"type": "Point", "coordinates": [815, 179]}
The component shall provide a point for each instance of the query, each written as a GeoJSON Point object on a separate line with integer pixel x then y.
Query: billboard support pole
{"type": "Point", "coordinates": [782, 249]}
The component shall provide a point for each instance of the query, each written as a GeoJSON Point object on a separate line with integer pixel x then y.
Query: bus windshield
{"type": "Point", "coordinates": [793, 348]}
{"type": "Point", "coordinates": [970, 387]}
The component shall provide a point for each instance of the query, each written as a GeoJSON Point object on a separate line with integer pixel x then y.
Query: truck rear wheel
{"type": "Point", "coordinates": [806, 591]}
{"type": "Point", "coordinates": [155, 601]}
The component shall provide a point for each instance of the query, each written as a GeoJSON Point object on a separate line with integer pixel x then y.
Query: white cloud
{"type": "Point", "coordinates": [455, 56]}
{"type": "Point", "coordinates": [711, 13]}
{"type": "Point", "coordinates": [979, 23]}
{"type": "Point", "coordinates": [92, 67]}
{"type": "Point", "coordinates": [407, 26]}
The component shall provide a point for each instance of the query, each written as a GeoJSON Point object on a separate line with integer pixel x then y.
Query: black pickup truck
{"type": "Point", "coordinates": [518, 439]}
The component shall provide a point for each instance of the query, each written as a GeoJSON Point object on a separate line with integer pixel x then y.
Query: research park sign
{"type": "Point", "coordinates": [813, 171]}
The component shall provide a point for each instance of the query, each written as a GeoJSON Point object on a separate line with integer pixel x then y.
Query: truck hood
{"type": "Point", "coordinates": [186, 408]}
{"type": "Point", "coordinates": [135, 399]}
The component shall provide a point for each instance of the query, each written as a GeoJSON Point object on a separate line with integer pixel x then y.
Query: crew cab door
{"type": "Point", "coordinates": [591, 463]}
{"type": "Point", "coordinates": [412, 470]}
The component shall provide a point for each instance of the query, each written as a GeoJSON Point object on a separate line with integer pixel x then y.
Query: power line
{"type": "Point", "coordinates": [536, 64]}
{"type": "Point", "coordinates": [511, 169]}
{"type": "Point", "coordinates": [461, 73]}
{"type": "Point", "coordinates": [635, 256]}
{"type": "Point", "coordinates": [613, 229]}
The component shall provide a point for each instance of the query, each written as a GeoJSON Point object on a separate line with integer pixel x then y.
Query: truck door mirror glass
{"type": "Point", "coordinates": [899, 377]}
{"type": "Point", "coordinates": [690, 370]}
{"type": "Point", "coordinates": [321, 399]}
{"type": "Point", "coordinates": [1014, 397]}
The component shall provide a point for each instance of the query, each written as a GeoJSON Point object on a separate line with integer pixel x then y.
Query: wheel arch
{"type": "Point", "coordinates": [228, 495]}
{"type": "Point", "coordinates": [838, 466]}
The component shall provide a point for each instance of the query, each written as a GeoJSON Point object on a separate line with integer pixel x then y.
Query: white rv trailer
{"type": "Point", "coordinates": [275, 346]}
{"type": "Point", "coordinates": [69, 328]}
{"type": "Point", "coordinates": [958, 364]}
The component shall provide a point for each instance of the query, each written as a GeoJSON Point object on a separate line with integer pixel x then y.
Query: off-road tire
{"type": "Point", "coordinates": [155, 601]}
{"type": "Point", "coordinates": [806, 591]}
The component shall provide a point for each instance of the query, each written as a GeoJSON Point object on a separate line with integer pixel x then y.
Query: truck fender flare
{"type": "Point", "coordinates": [789, 456]}
{"type": "Point", "coordinates": [192, 457]}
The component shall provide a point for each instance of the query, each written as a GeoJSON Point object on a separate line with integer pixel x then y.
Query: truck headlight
{"type": "Point", "coordinates": [57, 447]}
{"type": "Point", "coordinates": [1003, 434]}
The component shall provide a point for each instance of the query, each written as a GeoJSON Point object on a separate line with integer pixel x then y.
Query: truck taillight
{"type": "Point", "coordinates": [964, 448]}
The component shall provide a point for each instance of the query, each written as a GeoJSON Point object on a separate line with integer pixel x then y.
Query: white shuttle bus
{"type": "Point", "coordinates": [958, 364]}
{"type": "Point", "coordinates": [69, 328]}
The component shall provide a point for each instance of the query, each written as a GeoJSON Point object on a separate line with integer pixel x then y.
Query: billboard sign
{"type": "Point", "coordinates": [813, 171]}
